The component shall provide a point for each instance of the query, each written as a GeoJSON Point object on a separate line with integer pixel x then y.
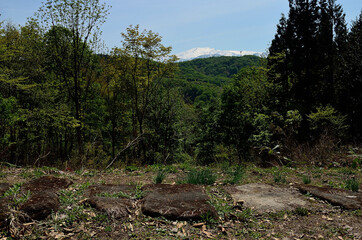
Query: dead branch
{"type": "Point", "coordinates": [130, 144]}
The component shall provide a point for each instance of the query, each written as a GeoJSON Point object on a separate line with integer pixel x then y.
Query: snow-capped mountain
{"type": "Point", "coordinates": [212, 52]}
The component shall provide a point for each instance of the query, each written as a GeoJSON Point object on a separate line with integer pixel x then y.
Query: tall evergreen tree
{"type": "Point", "coordinates": [350, 95]}
{"type": "Point", "coordinates": [304, 53]}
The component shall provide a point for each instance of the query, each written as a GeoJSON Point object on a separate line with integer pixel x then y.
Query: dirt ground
{"type": "Point", "coordinates": [316, 220]}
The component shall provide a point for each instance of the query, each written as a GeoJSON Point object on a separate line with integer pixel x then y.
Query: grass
{"type": "Point", "coordinates": [200, 177]}
{"type": "Point", "coordinates": [161, 175]}
{"type": "Point", "coordinates": [352, 184]}
{"type": "Point", "coordinates": [279, 177]}
{"type": "Point", "coordinates": [307, 179]}
{"type": "Point", "coordinates": [234, 220]}
{"type": "Point", "coordinates": [236, 176]}
{"type": "Point", "coordinates": [301, 211]}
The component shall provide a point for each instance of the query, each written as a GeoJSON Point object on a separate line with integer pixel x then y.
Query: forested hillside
{"type": "Point", "coordinates": [64, 103]}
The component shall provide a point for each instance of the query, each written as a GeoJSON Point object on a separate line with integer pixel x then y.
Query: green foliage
{"type": "Point", "coordinates": [131, 168]}
{"type": "Point", "coordinates": [215, 70]}
{"type": "Point", "coordinates": [16, 195]}
{"type": "Point", "coordinates": [327, 119]}
{"type": "Point", "coordinates": [262, 135]}
{"type": "Point", "coordinates": [244, 121]}
{"type": "Point", "coordinates": [357, 163]}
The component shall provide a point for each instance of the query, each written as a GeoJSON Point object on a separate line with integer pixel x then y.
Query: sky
{"type": "Point", "coordinates": [242, 25]}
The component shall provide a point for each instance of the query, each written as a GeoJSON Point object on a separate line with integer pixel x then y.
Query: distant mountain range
{"type": "Point", "coordinates": [212, 52]}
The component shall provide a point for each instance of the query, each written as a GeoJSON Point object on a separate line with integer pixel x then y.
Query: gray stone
{"type": "Point", "coordinates": [181, 202]}
{"type": "Point", "coordinates": [266, 198]}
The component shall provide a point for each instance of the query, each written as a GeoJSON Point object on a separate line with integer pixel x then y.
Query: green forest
{"type": "Point", "coordinates": [64, 102]}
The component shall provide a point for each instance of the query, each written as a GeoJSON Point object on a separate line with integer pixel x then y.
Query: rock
{"type": "Point", "coordinates": [43, 199]}
{"type": "Point", "coordinates": [341, 197]}
{"type": "Point", "coordinates": [181, 202]}
{"type": "Point", "coordinates": [113, 207]}
{"type": "Point", "coordinates": [109, 189]}
{"type": "Point", "coordinates": [3, 188]}
{"type": "Point", "coordinates": [46, 183]}
{"type": "Point", "coordinates": [266, 198]}
{"type": "Point", "coordinates": [40, 205]}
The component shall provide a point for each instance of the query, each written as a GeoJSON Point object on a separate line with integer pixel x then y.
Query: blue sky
{"type": "Point", "coordinates": [185, 24]}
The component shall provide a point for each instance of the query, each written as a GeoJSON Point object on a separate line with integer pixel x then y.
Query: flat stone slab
{"type": "Point", "coordinates": [4, 187]}
{"type": "Point", "coordinates": [109, 189]}
{"type": "Point", "coordinates": [113, 207]}
{"type": "Point", "coordinates": [116, 206]}
{"type": "Point", "coordinates": [46, 183]}
{"type": "Point", "coordinates": [178, 202]}
{"type": "Point", "coordinates": [40, 205]}
{"type": "Point", "coordinates": [43, 196]}
{"type": "Point", "coordinates": [266, 198]}
{"type": "Point", "coordinates": [336, 196]}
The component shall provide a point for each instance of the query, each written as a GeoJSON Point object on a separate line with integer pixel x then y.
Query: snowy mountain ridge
{"type": "Point", "coordinates": [212, 52]}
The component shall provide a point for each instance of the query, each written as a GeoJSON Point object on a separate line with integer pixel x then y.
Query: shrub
{"type": "Point", "coordinates": [328, 120]}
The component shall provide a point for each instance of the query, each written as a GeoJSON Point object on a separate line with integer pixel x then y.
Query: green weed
{"type": "Point", "coordinates": [161, 175]}
{"type": "Point", "coordinates": [357, 163]}
{"type": "Point", "coordinates": [16, 195]}
{"type": "Point", "coordinates": [301, 211]}
{"type": "Point", "coordinates": [131, 168]}
{"type": "Point", "coordinates": [352, 184]}
{"type": "Point", "coordinates": [307, 179]}
{"type": "Point", "coordinates": [200, 177]}
{"type": "Point", "coordinates": [236, 175]}
{"type": "Point", "coordinates": [279, 177]}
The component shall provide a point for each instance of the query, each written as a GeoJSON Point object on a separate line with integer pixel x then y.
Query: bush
{"type": "Point", "coordinates": [328, 120]}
